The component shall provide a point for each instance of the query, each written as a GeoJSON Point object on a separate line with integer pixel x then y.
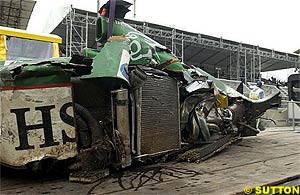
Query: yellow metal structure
{"type": "Point", "coordinates": [12, 32]}
{"type": "Point", "coordinates": [28, 35]}
{"type": "Point", "coordinates": [223, 100]}
{"type": "Point", "coordinates": [55, 50]}
{"type": "Point", "coordinates": [2, 47]}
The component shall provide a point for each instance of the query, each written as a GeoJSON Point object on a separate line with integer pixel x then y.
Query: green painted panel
{"type": "Point", "coordinates": [143, 50]}
{"type": "Point", "coordinates": [112, 61]}
{"type": "Point", "coordinates": [35, 72]}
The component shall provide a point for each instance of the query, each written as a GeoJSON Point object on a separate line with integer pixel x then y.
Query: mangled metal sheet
{"type": "Point", "coordinates": [133, 100]}
{"type": "Point", "coordinates": [36, 123]}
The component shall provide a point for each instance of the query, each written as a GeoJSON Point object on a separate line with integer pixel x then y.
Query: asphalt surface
{"type": "Point", "coordinates": [271, 156]}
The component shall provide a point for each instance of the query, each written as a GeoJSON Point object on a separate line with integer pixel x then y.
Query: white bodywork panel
{"type": "Point", "coordinates": [33, 101]}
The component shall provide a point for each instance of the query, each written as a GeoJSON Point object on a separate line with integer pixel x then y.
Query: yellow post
{"type": "Point", "coordinates": [2, 47]}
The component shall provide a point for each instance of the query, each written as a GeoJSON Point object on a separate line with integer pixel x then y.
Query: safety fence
{"type": "Point", "coordinates": [293, 109]}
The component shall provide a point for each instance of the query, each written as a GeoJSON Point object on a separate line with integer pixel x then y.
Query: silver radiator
{"type": "Point", "coordinates": [157, 107]}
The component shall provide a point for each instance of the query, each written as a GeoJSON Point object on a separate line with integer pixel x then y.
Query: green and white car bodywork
{"type": "Point", "coordinates": [91, 107]}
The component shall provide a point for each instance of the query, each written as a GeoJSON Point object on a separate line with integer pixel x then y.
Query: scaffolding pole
{"type": "Point", "coordinates": [77, 39]}
{"type": "Point", "coordinates": [245, 73]}
{"type": "Point", "coordinates": [87, 30]}
{"type": "Point", "coordinates": [182, 50]}
{"type": "Point", "coordinates": [238, 65]}
{"type": "Point", "coordinates": [259, 67]}
{"type": "Point", "coordinates": [71, 32]}
{"type": "Point", "coordinates": [134, 8]}
{"type": "Point", "coordinates": [230, 68]}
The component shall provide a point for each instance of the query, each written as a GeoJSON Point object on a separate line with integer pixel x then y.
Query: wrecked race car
{"type": "Point", "coordinates": [132, 100]}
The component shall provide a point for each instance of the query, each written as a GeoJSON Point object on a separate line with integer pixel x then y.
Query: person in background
{"type": "Point", "coordinates": [257, 92]}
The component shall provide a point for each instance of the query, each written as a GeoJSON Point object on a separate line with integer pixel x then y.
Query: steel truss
{"type": "Point", "coordinates": [77, 31]}
{"type": "Point", "coordinates": [245, 60]}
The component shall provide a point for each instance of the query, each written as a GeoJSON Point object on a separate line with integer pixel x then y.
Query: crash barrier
{"type": "Point", "coordinates": [287, 114]}
{"type": "Point", "coordinates": [269, 90]}
{"type": "Point", "coordinates": [293, 108]}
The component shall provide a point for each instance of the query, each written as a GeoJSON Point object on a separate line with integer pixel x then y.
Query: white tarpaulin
{"type": "Point", "coordinates": [46, 16]}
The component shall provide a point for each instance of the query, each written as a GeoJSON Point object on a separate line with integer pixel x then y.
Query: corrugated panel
{"type": "Point", "coordinates": [159, 116]}
{"type": "Point", "coordinates": [16, 13]}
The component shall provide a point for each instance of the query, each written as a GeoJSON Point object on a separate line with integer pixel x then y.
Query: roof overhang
{"type": "Point", "coordinates": [16, 13]}
{"type": "Point", "coordinates": [201, 50]}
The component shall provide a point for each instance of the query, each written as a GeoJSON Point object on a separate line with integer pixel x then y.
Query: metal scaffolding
{"type": "Point", "coordinates": [244, 66]}
{"type": "Point", "coordinates": [240, 61]}
{"type": "Point", "coordinates": [77, 31]}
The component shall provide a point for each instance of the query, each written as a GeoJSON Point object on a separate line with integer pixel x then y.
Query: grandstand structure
{"type": "Point", "coordinates": [220, 57]}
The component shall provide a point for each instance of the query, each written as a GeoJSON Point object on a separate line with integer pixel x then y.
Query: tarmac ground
{"type": "Point", "coordinates": [273, 155]}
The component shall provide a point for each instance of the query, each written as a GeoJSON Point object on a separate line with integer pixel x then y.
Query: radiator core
{"type": "Point", "coordinates": [158, 128]}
